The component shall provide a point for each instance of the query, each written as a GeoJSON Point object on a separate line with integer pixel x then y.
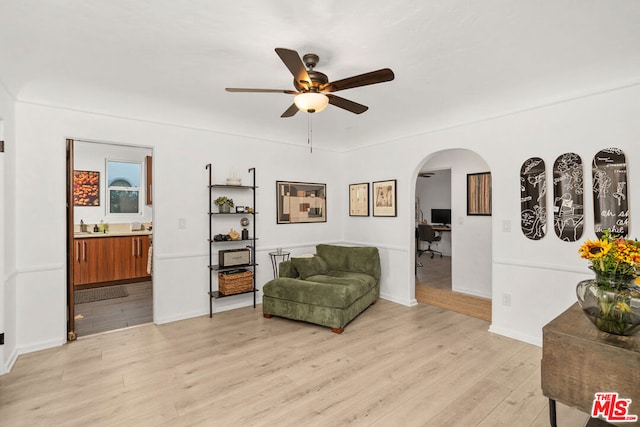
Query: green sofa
{"type": "Point", "coordinates": [328, 289]}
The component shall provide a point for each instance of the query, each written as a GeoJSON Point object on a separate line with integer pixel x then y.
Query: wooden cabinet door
{"type": "Point", "coordinates": [124, 250]}
{"type": "Point", "coordinates": [142, 255]}
{"type": "Point", "coordinates": [97, 256]}
{"type": "Point", "coordinates": [105, 259]}
{"type": "Point", "coordinates": [131, 254]}
{"type": "Point", "coordinates": [78, 262]}
{"type": "Point", "coordinates": [92, 260]}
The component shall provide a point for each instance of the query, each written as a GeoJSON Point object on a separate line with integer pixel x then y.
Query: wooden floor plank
{"type": "Point", "coordinates": [433, 286]}
{"type": "Point", "coordinates": [393, 365]}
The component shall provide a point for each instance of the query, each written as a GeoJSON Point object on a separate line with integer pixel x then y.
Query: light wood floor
{"type": "Point", "coordinates": [108, 315]}
{"type": "Point", "coordinates": [393, 366]}
{"type": "Point", "coordinates": [433, 287]}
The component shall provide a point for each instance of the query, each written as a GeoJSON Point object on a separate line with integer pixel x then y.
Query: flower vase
{"type": "Point", "coordinates": [611, 302]}
{"type": "Point", "coordinates": [224, 208]}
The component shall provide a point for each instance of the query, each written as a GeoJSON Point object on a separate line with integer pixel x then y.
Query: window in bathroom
{"type": "Point", "coordinates": [124, 179]}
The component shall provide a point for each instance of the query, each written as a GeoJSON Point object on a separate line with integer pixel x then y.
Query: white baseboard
{"type": "Point", "coordinates": [42, 345]}
{"type": "Point", "coordinates": [216, 309]}
{"type": "Point", "coordinates": [229, 307]}
{"type": "Point", "coordinates": [516, 335]}
{"type": "Point", "coordinates": [178, 317]}
{"type": "Point", "coordinates": [8, 365]}
{"type": "Point", "coordinates": [405, 302]}
{"type": "Point", "coordinates": [472, 292]}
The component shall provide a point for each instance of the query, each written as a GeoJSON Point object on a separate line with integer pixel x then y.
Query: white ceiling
{"type": "Point", "coordinates": [455, 61]}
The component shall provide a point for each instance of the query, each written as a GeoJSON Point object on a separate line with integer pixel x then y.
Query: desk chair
{"type": "Point", "coordinates": [426, 233]}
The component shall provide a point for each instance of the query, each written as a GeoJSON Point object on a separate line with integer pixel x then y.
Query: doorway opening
{"type": "Point", "coordinates": [433, 226]}
{"type": "Point", "coordinates": [457, 274]}
{"type": "Point", "coordinates": [110, 237]}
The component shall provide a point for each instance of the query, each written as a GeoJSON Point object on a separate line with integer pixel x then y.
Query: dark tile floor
{"type": "Point", "coordinates": [107, 315]}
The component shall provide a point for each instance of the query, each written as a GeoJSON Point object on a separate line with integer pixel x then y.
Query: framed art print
{"type": "Point", "coordinates": [359, 199]}
{"type": "Point", "coordinates": [384, 198]}
{"type": "Point", "coordinates": [479, 193]}
{"type": "Point", "coordinates": [86, 188]}
{"type": "Point", "coordinates": [300, 202]}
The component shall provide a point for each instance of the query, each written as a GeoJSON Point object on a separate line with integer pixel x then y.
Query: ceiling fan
{"type": "Point", "coordinates": [426, 174]}
{"type": "Point", "coordinates": [313, 89]}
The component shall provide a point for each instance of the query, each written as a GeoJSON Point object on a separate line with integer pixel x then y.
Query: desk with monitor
{"type": "Point", "coordinates": [444, 245]}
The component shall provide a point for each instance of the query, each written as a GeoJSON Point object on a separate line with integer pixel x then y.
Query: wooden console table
{"type": "Point", "coordinates": [578, 360]}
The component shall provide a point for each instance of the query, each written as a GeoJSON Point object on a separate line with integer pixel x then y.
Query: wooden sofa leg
{"type": "Point", "coordinates": [266, 316]}
{"type": "Point", "coordinates": [337, 330]}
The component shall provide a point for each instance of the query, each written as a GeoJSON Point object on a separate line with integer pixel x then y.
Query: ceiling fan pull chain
{"type": "Point", "coordinates": [310, 133]}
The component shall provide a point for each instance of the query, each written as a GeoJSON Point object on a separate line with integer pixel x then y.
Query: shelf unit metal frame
{"type": "Point", "coordinates": [214, 268]}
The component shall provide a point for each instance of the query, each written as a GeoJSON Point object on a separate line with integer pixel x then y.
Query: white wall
{"type": "Point", "coordinates": [180, 181]}
{"type": "Point", "coordinates": [471, 239]}
{"type": "Point", "coordinates": [434, 192]}
{"type": "Point", "coordinates": [3, 242]}
{"type": "Point", "coordinates": [8, 352]}
{"type": "Point", "coordinates": [92, 156]}
{"type": "Point", "coordinates": [540, 275]}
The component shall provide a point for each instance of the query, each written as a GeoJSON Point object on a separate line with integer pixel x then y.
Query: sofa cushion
{"type": "Point", "coordinates": [361, 259]}
{"type": "Point", "coordinates": [308, 267]}
{"type": "Point", "coordinates": [327, 291]}
{"type": "Point", "coordinates": [362, 281]}
{"type": "Point", "coordinates": [287, 269]}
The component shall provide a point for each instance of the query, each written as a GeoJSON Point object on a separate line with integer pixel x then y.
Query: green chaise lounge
{"type": "Point", "coordinates": [330, 289]}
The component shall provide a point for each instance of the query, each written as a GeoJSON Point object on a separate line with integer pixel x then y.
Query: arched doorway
{"type": "Point", "coordinates": [461, 279]}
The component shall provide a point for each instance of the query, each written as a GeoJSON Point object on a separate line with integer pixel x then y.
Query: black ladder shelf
{"type": "Point", "coordinates": [251, 240]}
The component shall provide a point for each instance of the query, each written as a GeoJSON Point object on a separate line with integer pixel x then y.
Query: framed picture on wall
{"type": "Point", "coordinates": [86, 188]}
{"type": "Point", "coordinates": [359, 199]}
{"type": "Point", "coordinates": [479, 193]}
{"type": "Point", "coordinates": [384, 198]}
{"type": "Point", "coordinates": [300, 202]}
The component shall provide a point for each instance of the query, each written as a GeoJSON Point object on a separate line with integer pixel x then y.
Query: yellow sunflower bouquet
{"type": "Point", "coordinates": [612, 300]}
{"type": "Point", "coordinates": [612, 256]}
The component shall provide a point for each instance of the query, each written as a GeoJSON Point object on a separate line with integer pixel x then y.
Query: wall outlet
{"type": "Point", "coordinates": [506, 226]}
{"type": "Point", "coordinates": [506, 299]}
{"type": "Point", "coordinates": [182, 223]}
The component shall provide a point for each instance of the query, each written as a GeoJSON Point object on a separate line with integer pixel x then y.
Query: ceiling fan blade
{"type": "Point", "coordinates": [343, 103]}
{"type": "Point", "coordinates": [291, 111]}
{"type": "Point", "coordinates": [238, 89]}
{"type": "Point", "coordinates": [379, 76]}
{"type": "Point", "coordinates": [293, 62]}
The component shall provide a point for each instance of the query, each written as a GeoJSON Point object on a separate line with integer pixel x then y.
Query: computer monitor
{"type": "Point", "coordinates": [441, 216]}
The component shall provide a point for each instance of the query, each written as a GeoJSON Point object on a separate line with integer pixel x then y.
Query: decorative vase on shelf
{"type": "Point", "coordinates": [611, 302]}
{"type": "Point", "coordinates": [224, 208]}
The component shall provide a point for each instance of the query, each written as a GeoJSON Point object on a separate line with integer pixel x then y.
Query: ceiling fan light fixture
{"type": "Point", "coordinates": [311, 102]}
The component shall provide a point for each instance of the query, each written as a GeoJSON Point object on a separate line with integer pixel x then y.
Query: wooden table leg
{"type": "Point", "coordinates": [552, 413]}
